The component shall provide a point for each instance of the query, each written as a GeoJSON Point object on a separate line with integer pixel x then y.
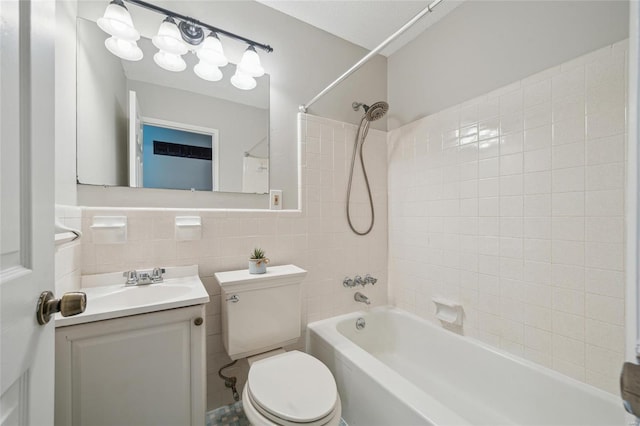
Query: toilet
{"type": "Point", "coordinates": [261, 314]}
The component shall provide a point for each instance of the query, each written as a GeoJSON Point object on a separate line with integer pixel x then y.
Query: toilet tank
{"type": "Point", "coordinates": [260, 312]}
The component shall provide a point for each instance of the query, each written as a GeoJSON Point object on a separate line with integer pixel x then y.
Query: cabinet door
{"type": "Point", "coordinates": [132, 371]}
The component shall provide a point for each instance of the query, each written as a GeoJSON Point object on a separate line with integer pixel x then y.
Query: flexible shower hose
{"type": "Point", "coordinates": [361, 136]}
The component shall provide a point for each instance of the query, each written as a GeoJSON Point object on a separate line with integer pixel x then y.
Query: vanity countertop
{"type": "Point", "coordinates": [181, 287]}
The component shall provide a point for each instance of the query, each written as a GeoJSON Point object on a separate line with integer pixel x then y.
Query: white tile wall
{"type": "Point", "coordinates": [316, 238]}
{"type": "Point", "coordinates": [513, 204]}
{"type": "Point", "coordinates": [68, 256]}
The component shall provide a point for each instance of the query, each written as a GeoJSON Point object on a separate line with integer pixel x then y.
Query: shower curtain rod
{"type": "Point", "coordinates": [247, 152]}
{"type": "Point", "coordinates": [361, 62]}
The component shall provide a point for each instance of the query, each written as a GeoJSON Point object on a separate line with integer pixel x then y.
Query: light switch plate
{"type": "Point", "coordinates": [275, 199]}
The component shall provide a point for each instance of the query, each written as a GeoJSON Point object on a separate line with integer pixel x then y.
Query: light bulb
{"type": "Point", "coordinates": [211, 51]}
{"type": "Point", "coordinates": [250, 63]}
{"type": "Point", "coordinates": [207, 71]}
{"type": "Point", "coordinates": [242, 80]}
{"type": "Point", "coordinates": [117, 22]}
{"type": "Point", "coordinates": [169, 61]}
{"type": "Point", "coordinates": [124, 49]}
{"type": "Point", "coordinates": [169, 38]}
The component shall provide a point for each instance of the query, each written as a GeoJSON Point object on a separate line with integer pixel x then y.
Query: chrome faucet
{"type": "Point", "coordinates": [359, 297]}
{"type": "Point", "coordinates": [149, 276]}
{"type": "Point", "coordinates": [131, 276]}
{"type": "Point", "coordinates": [358, 280]}
{"type": "Point", "coordinates": [156, 275]}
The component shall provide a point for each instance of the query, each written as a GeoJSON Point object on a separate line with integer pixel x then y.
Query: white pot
{"type": "Point", "coordinates": [258, 266]}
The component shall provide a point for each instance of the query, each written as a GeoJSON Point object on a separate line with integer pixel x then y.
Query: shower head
{"type": "Point", "coordinates": [373, 112]}
{"type": "Point", "coordinates": [376, 111]}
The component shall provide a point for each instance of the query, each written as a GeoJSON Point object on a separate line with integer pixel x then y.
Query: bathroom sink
{"type": "Point", "coordinates": [140, 295]}
{"type": "Point", "coordinates": [106, 300]}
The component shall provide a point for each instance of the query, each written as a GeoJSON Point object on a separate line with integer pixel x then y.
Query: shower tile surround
{"type": "Point", "coordinates": [317, 238]}
{"type": "Point", "coordinates": [513, 204]}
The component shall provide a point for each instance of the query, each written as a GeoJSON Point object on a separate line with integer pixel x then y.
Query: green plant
{"type": "Point", "coordinates": [257, 253]}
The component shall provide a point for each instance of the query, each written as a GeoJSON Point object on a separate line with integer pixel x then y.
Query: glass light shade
{"type": "Point", "coordinates": [169, 61]}
{"type": "Point", "coordinates": [207, 71]}
{"type": "Point", "coordinates": [124, 49]}
{"type": "Point", "coordinates": [250, 63]}
{"type": "Point", "coordinates": [243, 81]}
{"type": "Point", "coordinates": [211, 51]}
{"type": "Point", "coordinates": [117, 22]}
{"type": "Point", "coordinates": [169, 38]}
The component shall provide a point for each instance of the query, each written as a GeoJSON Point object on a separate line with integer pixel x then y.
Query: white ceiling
{"type": "Point", "coordinates": [364, 22]}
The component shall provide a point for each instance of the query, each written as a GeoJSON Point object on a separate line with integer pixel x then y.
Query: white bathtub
{"type": "Point", "coordinates": [402, 370]}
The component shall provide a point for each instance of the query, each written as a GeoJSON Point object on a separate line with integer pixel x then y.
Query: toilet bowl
{"type": "Point", "coordinates": [291, 388]}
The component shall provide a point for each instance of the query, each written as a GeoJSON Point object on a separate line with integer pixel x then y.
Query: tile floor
{"type": "Point", "coordinates": [233, 415]}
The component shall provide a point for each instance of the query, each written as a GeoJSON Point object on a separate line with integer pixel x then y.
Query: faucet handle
{"type": "Point", "coordinates": [131, 276]}
{"type": "Point", "coordinates": [348, 282]}
{"type": "Point", "coordinates": [156, 274]}
{"type": "Point", "coordinates": [368, 279]}
{"type": "Point", "coordinates": [358, 280]}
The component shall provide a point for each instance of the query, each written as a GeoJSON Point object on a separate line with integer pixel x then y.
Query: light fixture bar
{"type": "Point", "coordinates": [190, 20]}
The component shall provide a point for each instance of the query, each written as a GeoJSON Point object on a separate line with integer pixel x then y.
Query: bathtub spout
{"type": "Point", "coordinates": [359, 297]}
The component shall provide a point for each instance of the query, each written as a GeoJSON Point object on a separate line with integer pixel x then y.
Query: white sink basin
{"type": "Point", "coordinates": [181, 287]}
{"type": "Point", "coordinates": [139, 295]}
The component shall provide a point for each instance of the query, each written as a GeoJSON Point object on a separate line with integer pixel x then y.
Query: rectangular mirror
{"type": "Point", "coordinates": [139, 125]}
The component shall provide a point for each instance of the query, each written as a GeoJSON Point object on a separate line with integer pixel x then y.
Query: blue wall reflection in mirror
{"type": "Point", "coordinates": [177, 162]}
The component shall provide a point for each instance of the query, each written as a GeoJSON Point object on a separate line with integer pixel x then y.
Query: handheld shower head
{"type": "Point", "coordinates": [374, 112]}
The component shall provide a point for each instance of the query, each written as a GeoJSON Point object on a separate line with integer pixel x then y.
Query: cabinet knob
{"type": "Point", "coordinates": [198, 321]}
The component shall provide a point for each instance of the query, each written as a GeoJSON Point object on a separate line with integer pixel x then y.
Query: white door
{"type": "Point", "coordinates": [26, 209]}
{"type": "Point", "coordinates": [135, 141]}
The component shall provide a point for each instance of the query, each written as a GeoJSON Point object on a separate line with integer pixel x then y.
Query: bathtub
{"type": "Point", "coordinates": [402, 370]}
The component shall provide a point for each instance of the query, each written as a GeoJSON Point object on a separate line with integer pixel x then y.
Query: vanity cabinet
{"type": "Point", "coordinates": [138, 370]}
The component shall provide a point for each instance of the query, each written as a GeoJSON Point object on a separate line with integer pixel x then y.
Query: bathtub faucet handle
{"type": "Point", "coordinates": [357, 280]}
{"type": "Point", "coordinates": [368, 279]}
{"type": "Point", "coordinates": [348, 282]}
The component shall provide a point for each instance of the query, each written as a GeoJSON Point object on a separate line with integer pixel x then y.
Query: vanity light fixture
{"type": "Point", "coordinates": [250, 63]}
{"type": "Point", "coordinates": [169, 61]}
{"type": "Point", "coordinates": [177, 36]}
{"type": "Point", "coordinates": [124, 49]}
{"type": "Point", "coordinates": [169, 38]}
{"type": "Point", "coordinates": [117, 22]}
{"type": "Point", "coordinates": [211, 58]}
{"type": "Point", "coordinates": [207, 71]}
{"type": "Point", "coordinates": [211, 51]}
{"type": "Point", "coordinates": [242, 80]}
{"type": "Point", "coordinates": [248, 68]}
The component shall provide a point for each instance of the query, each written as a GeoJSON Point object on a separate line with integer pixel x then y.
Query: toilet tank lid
{"type": "Point", "coordinates": [275, 276]}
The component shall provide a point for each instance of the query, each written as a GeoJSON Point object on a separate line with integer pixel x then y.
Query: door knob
{"type": "Point", "coordinates": [72, 303]}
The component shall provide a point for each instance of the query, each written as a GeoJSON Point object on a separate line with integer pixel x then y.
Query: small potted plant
{"type": "Point", "coordinates": [258, 262]}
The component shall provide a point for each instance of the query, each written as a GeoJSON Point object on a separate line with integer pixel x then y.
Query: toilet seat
{"type": "Point", "coordinates": [256, 418]}
{"type": "Point", "coordinates": [292, 388]}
